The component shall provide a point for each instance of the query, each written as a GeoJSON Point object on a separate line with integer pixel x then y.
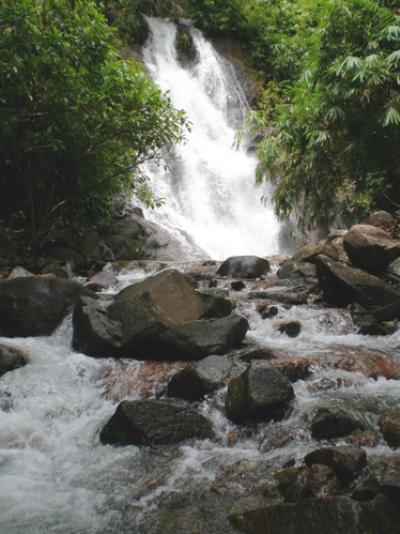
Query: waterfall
{"type": "Point", "coordinates": [210, 195]}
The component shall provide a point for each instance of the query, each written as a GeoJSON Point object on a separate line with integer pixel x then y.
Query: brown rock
{"type": "Point", "coordinates": [383, 220]}
{"type": "Point", "coordinates": [389, 425]}
{"type": "Point", "coordinates": [346, 461]}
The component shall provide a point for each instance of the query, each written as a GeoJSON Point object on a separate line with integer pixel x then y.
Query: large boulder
{"type": "Point", "coordinates": [94, 333]}
{"type": "Point", "coordinates": [11, 358]}
{"type": "Point", "coordinates": [343, 285]}
{"type": "Point", "coordinates": [370, 248]}
{"type": "Point", "coordinates": [35, 306]}
{"type": "Point", "coordinates": [244, 267]}
{"type": "Point", "coordinates": [196, 381]}
{"type": "Point", "coordinates": [198, 339]}
{"type": "Point", "coordinates": [149, 308]}
{"type": "Point", "coordinates": [308, 253]}
{"type": "Point", "coordinates": [155, 422]}
{"type": "Point", "coordinates": [260, 393]}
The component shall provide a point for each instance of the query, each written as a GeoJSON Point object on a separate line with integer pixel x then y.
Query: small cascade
{"type": "Point", "coordinates": [211, 199]}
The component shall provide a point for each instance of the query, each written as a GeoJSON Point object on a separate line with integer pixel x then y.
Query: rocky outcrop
{"type": "Point", "coordinates": [343, 285]}
{"type": "Point", "coordinates": [35, 306]}
{"type": "Point", "coordinates": [370, 248]}
{"type": "Point", "coordinates": [244, 267]}
{"type": "Point", "coordinates": [11, 358]}
{"type": "Point", "coordinates": [155, 422]}
{"type": "Point", "coordinates": [260, 393]}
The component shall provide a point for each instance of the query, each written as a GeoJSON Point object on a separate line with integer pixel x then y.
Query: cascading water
{"type": "Point", "coordinates": [209, 189]}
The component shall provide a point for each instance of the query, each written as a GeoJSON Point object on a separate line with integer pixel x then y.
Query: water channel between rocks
{"type": "Point", "coordinates": [57, 477]}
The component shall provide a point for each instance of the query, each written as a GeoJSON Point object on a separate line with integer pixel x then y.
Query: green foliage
{"type": "Point", "coordinates": [77, 120]}
{"type": "Point", "coordinates": [331, 139]}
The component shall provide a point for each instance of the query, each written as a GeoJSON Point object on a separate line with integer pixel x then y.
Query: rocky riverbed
{"type": "Point", "coordinates": [252, 395]}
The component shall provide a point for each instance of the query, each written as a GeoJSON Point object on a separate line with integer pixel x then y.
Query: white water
{"type": "Point", "coordinates": [209, 190]}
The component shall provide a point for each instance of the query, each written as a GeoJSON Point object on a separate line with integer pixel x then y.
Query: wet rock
{"type": "Point", "coordinates": [369, 325]}
{"type": "Point", "coordinates": [329, 515]}
{"type": "Point", "coordinates": [309, 252]}
{"type": "Point", "coordinates": [261, 393]}
{"type": "Point", "coordinates": [258, 354]}
{"type": "Point", "coordinates": [155, 422]}
{"type": "Point", "coordinates": [290, 328]}
{"type": "Point", "coordinates": [334, 423]}
{"type": "Point", "coordinates": [346, 461]}
{"type": "Point", "coordinates": [35, 306]}
{"type": "Point", "coordinates": [269, 312]}
{"type": "Point", "coordinates": [11, 358]}
{"type": "Point", "coordinates": [193, 383]}
{"type": "Point", "coordinates": [198, 339]}
{"type": "Point", "coordinates": [19, 272]}
{"type": "Point", "coordinates": [213, 283]}
{"type": "Point", "coordinates": [383, 220]}
{"type": "Point", "coordinates": [364, 439]}
{"type": "Point", "coordinates": [297, 271]}
{"type": "Point", "coordinates": [94, 333]}
{"type": "Point", "coordinates": [244, 267]}
{"type": "Point", "coordinates": [149, 308]}
{"type": "Point", "coordinates": [394, 268]}
{"type": "Point", "coordinates": [215, 306]}
{"type": "Point", "coordinates": [298, 483]}
{"type": "Point", "coordinates": [295, 368]}
{"type": "Point", "coordinates": [57, 270]}
{"type": "Point", "coordinates": [238, 285]}
{"type": "Point", "coordinates": [343, 285]}
{"type": "Point", "coordinates": [389, 425]}
{"type": "Point", "coordinates": [370, 248]}
{"type": "Point", "coordinates": [290, 296]}
{"type": "Point", "coordinates": [101, 281]}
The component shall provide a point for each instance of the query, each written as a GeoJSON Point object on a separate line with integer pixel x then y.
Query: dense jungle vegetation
{"type": "Point", "coordinates": [78, 119]}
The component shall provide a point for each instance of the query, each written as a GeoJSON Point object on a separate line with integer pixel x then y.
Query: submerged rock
{"type": "Point", "coordinates": [244, 267]}
{"type": "Point", "coordinates": [155, 422]}
{"type": "Point", "coordinates": [11, 358]}
{"type": "Point", "coordinates": [35, 306]}
{"type": "Point", "coordinates": [370, 247]}
{"type": "Point", "coordinates": [260, 393]}
{"type": "Point", "coordinates": [330, 423]}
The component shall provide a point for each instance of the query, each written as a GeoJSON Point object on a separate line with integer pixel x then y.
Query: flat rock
{"type": "Point", "coordinates": [155, 422]}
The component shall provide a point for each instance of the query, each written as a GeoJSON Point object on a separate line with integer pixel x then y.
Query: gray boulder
{"type": "Point", "coordinates": [383, 220]}
{"type": "Point", "coordinates": [370, 248]}
{"type": "Point", "coordinates": [198, 339]}
{"type": "Point", "coordinates": [334, 423]}
{"type": "Point", "coordinates": [155, 422]}
{"type": "Point", "coordinates": [35, 306]}
{"type": "Point", "coordinates": [200, 379]}
{"type": "Point", "coordinates": [244, 267]}
{"type": "Point", "coordinates": [343, 285]}
{"type": "Point", "coordinates": [11, 358]}
{"type": "Point", "coordinates": [260, 393]}
{"type": "Point", "coordinates": [94, 333]}
{"type": "Point", "coordinates": [308, 253]}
